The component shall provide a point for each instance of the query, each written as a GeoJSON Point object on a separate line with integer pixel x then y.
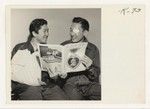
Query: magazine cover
{"type": "Point", "coordinates": [59, 59]}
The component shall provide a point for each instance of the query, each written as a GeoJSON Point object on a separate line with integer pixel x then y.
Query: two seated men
{"type": "Point", "coordinates": [83, 85]}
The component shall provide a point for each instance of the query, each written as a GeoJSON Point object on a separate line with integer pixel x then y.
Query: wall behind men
{"type": "Point", "coordinates": [59, 21]}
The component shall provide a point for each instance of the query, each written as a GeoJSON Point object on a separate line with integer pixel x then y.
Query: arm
{"type": "Point", "coordinates": [94, 69]}
{"type": "Point", "coordinates": [25, 68]}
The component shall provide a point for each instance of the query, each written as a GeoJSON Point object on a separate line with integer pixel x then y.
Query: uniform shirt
{"type": "Point", "coordinates": [27, 46]}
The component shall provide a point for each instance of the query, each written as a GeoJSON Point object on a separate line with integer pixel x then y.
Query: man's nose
{"type": "Point", "coordinates": [72, 33]}
{"type": "Point", "coordinates": [47, 34]}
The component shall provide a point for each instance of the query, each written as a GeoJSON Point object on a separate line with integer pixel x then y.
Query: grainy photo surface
{"type": "Point", "coordinates": [40, 72]}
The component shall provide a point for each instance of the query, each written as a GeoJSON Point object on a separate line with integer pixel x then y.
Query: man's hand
{"type": "Point", "coordinates": [63, 75]}
{"type": "Point", "coordinates": [41, 82]}
{"type": "Point", "coordinates": [86, 61]}
{"type": "Point", "coordinates": [51, 73]}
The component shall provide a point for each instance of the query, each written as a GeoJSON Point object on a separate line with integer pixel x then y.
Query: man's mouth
{"type": "Point", "coordinates": [73, 37]}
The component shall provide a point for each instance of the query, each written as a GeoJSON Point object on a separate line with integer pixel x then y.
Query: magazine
{"type": "Point", "coordinates": [59, 59]}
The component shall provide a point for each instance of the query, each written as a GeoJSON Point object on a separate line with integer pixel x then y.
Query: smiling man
{"type": "Point", "coordinates": [83, 85]}
{"type": "Point", "coordinates": [28, 81]}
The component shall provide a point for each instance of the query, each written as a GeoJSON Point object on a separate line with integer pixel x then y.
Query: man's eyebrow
{"type": "Point", "coordinates": [46, 28]}
{"type": "Point", "coordinates": [71, 29]}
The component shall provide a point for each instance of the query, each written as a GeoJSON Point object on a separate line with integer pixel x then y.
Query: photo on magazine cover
{"type": "Point", "coordinates": [51, 59]}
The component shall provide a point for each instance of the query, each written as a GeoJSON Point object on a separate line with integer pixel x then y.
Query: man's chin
{"type": "Point", "coordinates": [73, 40]}
{"type": "Point", "coordinates": [43, 43]}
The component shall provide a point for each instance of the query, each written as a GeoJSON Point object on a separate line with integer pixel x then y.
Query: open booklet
{"type": "Point", "coordinates": [60, 59]}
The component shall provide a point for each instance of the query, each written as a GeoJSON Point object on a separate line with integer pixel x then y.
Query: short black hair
{"type": "Point", "coordinates": [84, 23]}
{"type": "Point", "coordinates": [36, 26]}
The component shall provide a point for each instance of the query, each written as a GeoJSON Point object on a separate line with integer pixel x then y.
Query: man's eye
{"type": "Point", "coordinates": [70, 30]}
{"type": "Point", "coordinates": [46, 31]}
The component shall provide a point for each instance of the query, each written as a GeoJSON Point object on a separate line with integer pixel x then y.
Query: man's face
{"type": "Point", "coordinates": [76, 32]}
{"type": "Point", "coordinates": [42, 34]}
{"type": "Point", "coordinates": [73, 62]}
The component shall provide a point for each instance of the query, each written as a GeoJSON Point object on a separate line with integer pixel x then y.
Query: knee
{"type": "Point", "coordinates": [32, 93]}
{"type": "Point", "coordinates": [95, 92]}
{"type": "Point", "coordinates": [72, 92]}
{"type": "Point", "coordinates": [55, 93]}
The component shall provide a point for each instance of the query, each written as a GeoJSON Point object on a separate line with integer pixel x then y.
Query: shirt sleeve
{"type": "Point", "coordinates": [25, 68]}
{"type": "Point", "coordinates": [94, 70]}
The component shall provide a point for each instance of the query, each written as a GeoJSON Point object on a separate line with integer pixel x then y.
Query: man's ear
{"type": "Point", "coordinates": [85, 33]}
{"type": "Point", "coordinates": [34, 33]}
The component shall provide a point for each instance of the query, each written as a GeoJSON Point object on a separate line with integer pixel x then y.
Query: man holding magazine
{"type": "Point", "coordinates": [28, 81]}
{"type": "Point", "coordinates": [83, 85]}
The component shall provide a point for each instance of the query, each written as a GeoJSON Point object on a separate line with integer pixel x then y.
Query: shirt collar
{"type": "Point", "coordinates": [84, 39]}
{"type": "Point", "coordinates": [29, 47]}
